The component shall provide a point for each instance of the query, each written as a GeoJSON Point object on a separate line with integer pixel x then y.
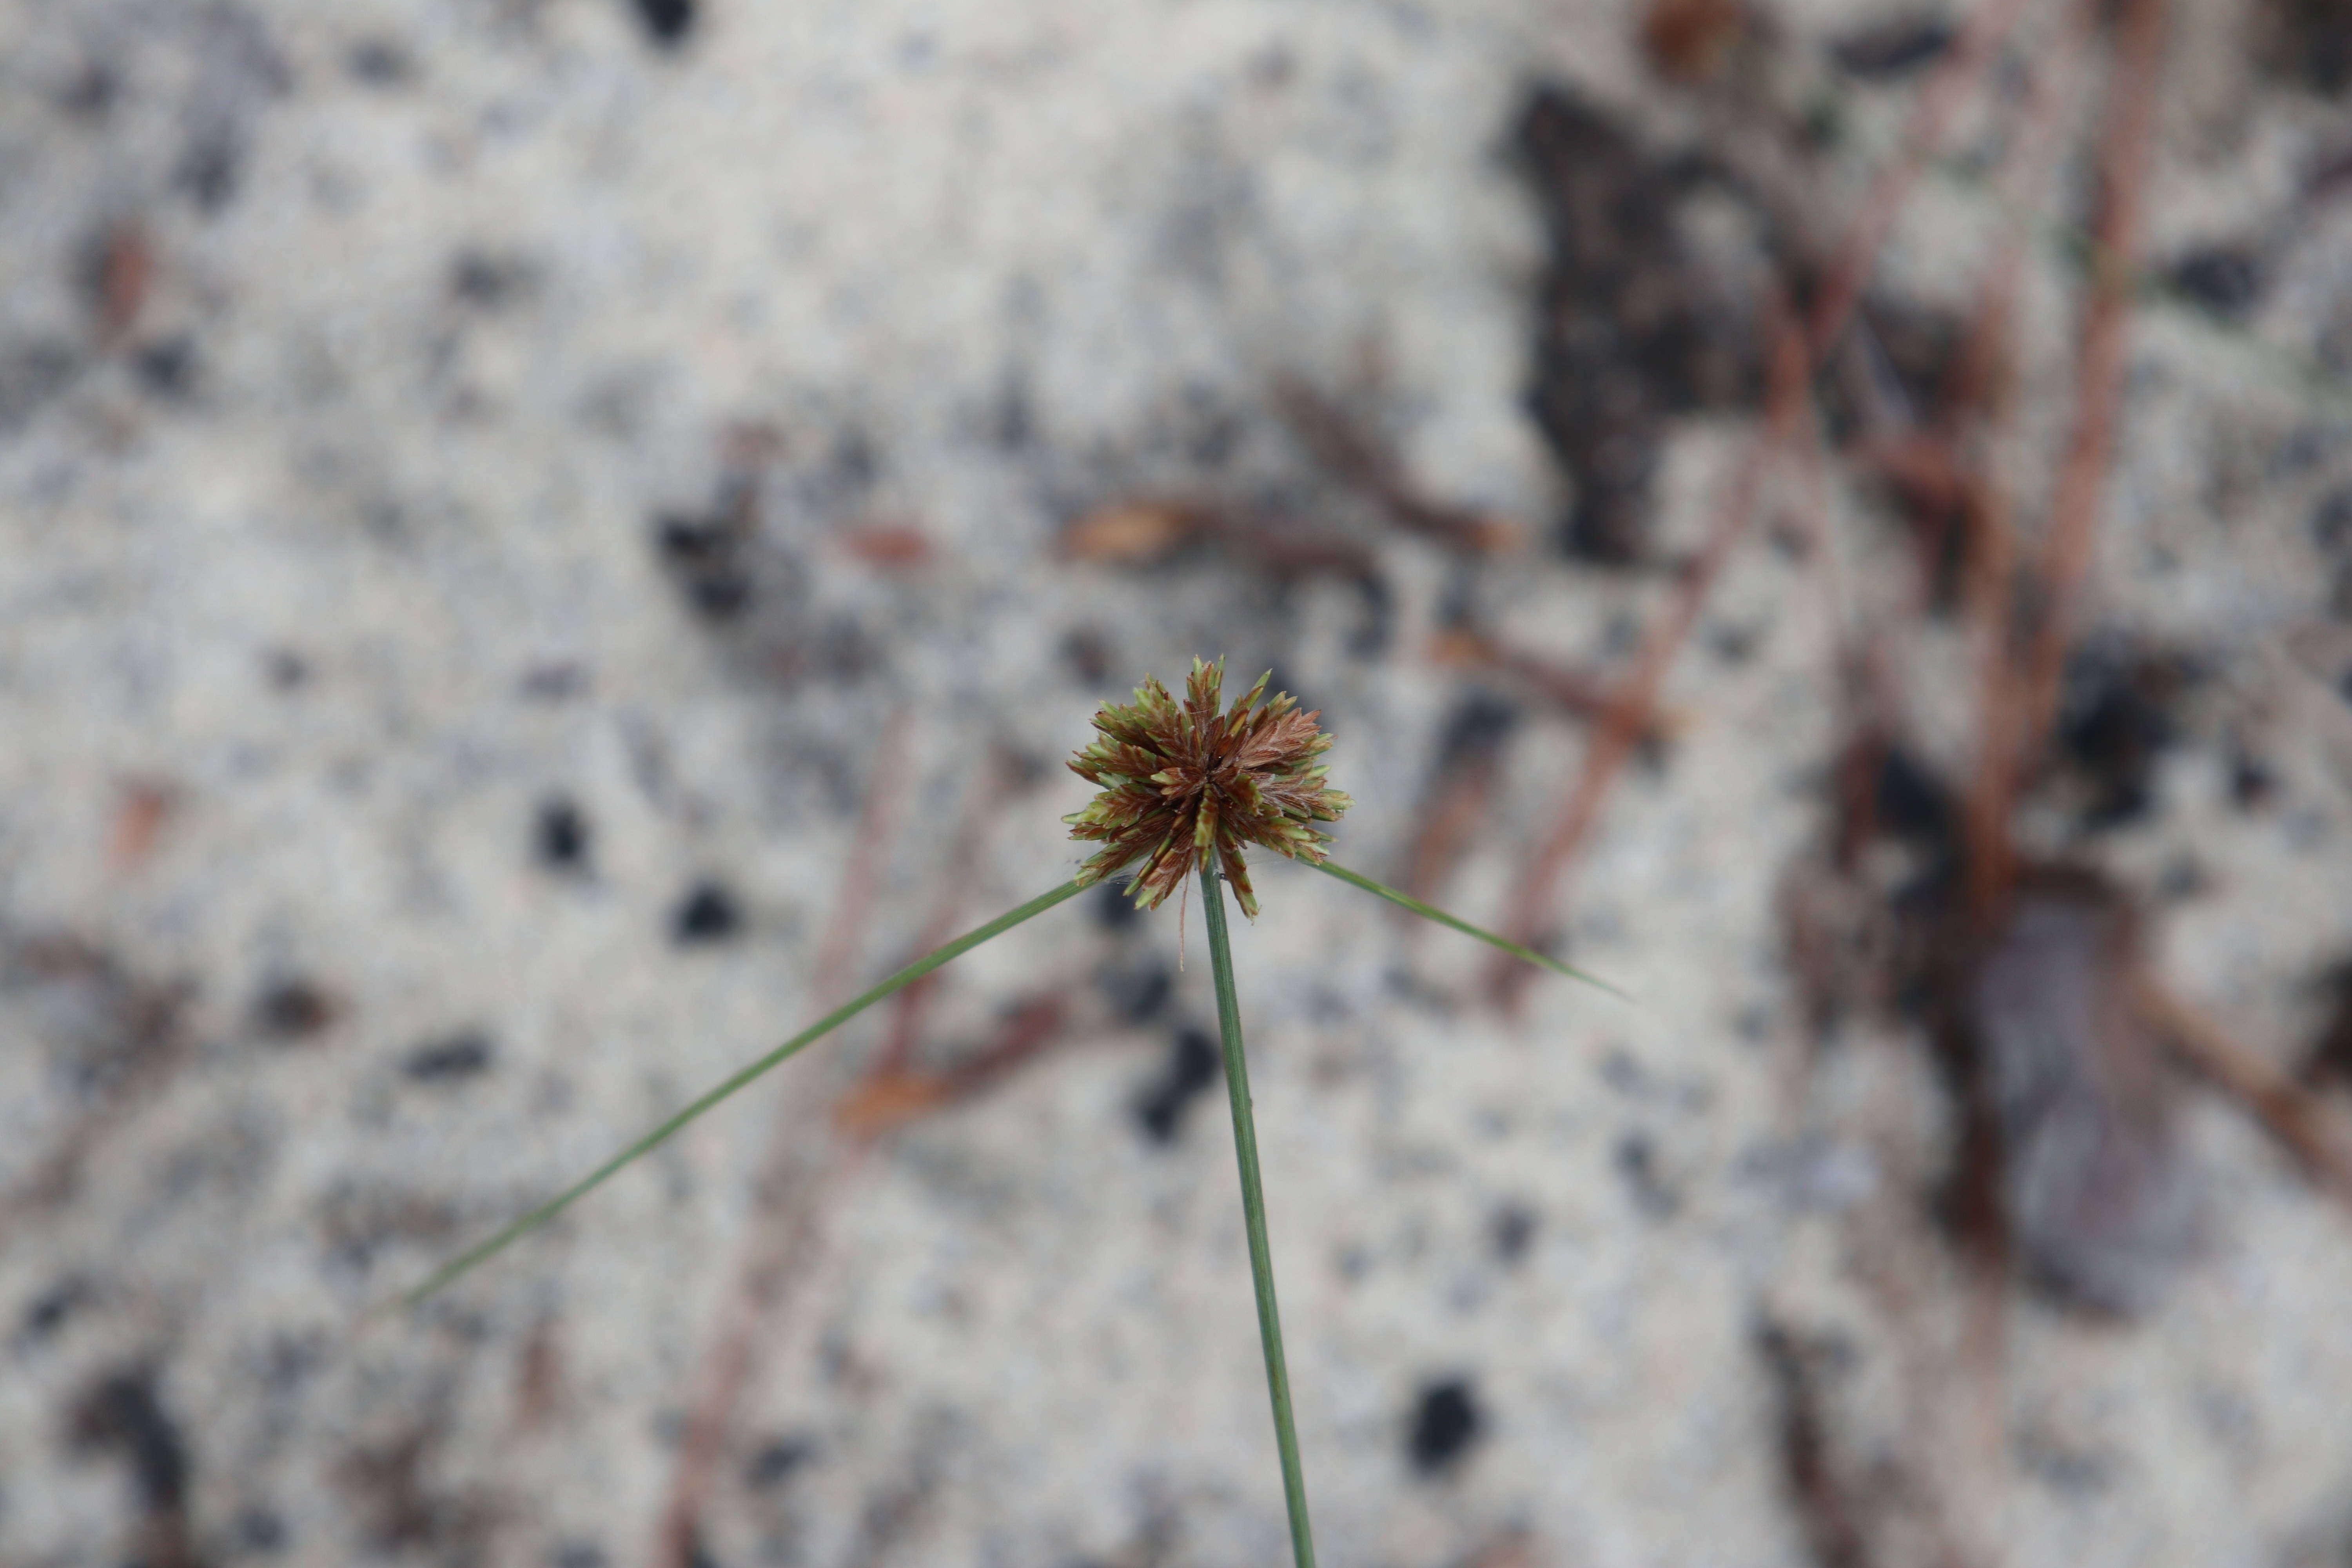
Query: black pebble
{"type": "Point", "coordinates": [667, 22]}
{"type": "Point", "coordinates": [1138, 994]}
{"type": "Point", "coordinates": [1087, 653]}
{"type": "Point", "coordinates": [293, 1009]}
{"type": "Point", "coordinates": [1514, 1231]}
{"type": "Point", "coordinates": [708, 914]}
{"type": "Point", "coordinates": [166, 369]}
{"type": "Point", "coordinates": [379, 63]}
{"type": "Point", "coordinates": [561, 835]}
{"type": "Point", "coordinates": [1445, 1422]}
{"type": "Point", "coordinates": [2223, 279]}
{"type": "Point", "coordinates": [1114, 910]}
{"type": "Point", "coordinates": [1476, 729]}
{"type": "Point", "coordinates": [1637, 1161]}
{"type": "Point", "coordinates": [1889, 50]}
{"type": "Point", "coordinates": [461, 1056]}
{"type": "Point", "coordinates": [778, 1461]}
{"type": "Point", "coordinates": [706, 556]}
{"type": "Point", "coordinates": [2331, 522]}
{"type": "Point", "coordinates": [2252, 785]}
{"type": "Point", "coordinates": [260, 1530]}
{"type": "Point", "coordinates": [210, 169]}
{"type": "Point", "coordinates": [1192, 1067]}
{"type": "Point", "coordinates": [50, 1310]}
{"type": "Point", "coordinates": [488, 281]}
{"type": "Point", "coordinates": [124, 1412]}
{"type": "Point", "coordinates": [1909, 801]}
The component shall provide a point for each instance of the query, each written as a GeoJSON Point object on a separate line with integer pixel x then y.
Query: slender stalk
{"type": "Point", "coordinates": [1270, 1320]}
{"type": "Point", "coordinates": [1431, 913]}
{"type": "Point", "coordinates": [484, 1251]}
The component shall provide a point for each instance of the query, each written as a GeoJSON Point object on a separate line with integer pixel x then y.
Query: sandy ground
{"type": "Point", "coordinates": [534, 560]}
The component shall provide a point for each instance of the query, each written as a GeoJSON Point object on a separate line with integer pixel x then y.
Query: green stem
{"type": "Point", "coordinates": [1431, 913]}
{"type": "Point", "coordinates": [1270, 1320]}
{"type": "Point", "coordinates": [465, 1262]}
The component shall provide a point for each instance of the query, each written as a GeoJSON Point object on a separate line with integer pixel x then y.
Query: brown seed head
{"type": "Point", "coordinates": [1179, 778]}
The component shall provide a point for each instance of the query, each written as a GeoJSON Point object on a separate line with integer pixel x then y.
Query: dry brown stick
{"type": "Point", "coordinates": [1630, 713]}
{"type": "Point", "coordinates": [1570, 691]}
{"type": "Point", "coordinates": [1457, 802]}
{"type": "Point", "coordinates": [1839, 296]}
{"type": "Point", "coordinates": [2126, 146]}
{"type": "Point", "coordinates": [1353, 454]}
{"type": "Point", "coordinates": [2288, 1110]}
{"type": "Point", "coordinates": [780, 1231]}
{"type": "Point", "coordinates": [910, 1005]}
{"type": "Point", "coordinates": [1977, 396]}
{"type": "Point", "coordinates": [1794, 354]}
{"type": "Point", "coordinates": [1980, 382]}
{"type": "Point", "coordinates": [1930, 118]}
{"type": "Point", "coordinates": [892, 1095]}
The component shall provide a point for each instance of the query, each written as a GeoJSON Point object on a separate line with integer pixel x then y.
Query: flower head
{"type": "Point", "coordinates": [1179, 778]}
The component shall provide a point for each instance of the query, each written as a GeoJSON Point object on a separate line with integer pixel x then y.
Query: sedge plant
{"type": "Point", "coordinates": [1184, 787]}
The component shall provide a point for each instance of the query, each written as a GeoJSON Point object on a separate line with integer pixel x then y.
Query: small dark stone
{"type": "Point", "coordinates": [1476, 729]}
{"type": "Point", "coordinates": [2224, 279]}
{"type": "Point", "coordinates": [1012, 420]}
{"type": "Point", "coordinates": [1637, 1161]}
{"type": "Point", "coordinates": [1909, 801]}
{"type": "Point", "coordinates": [2308, 42]}
{"type": "Point", "coordinates": [32, 371]}
{"type": "Point", "coordinates": [2331, 522]}
{"type": "Point", "coordinates": [210, 168]}
{"type": "Point", "coordinates": [166, 368]}
{"type": "Point", "coordinates": [778, 1461]}
{"type": "Point", "coordinates": [1885, 51]}
{"type": "Point", "coordinates": [1087, 653]}
{"type": "Point", "coordinates": [855, 462]}
{"type": "Point", "coordinates": [1733, 645]}
{"type": "Point", "coordinates": [1445, 1422]}
{"type": "Point", "coordinates": [1193, 1067]}
{"type": "Point", "coordinates": [2063, 1468]}
{"type": "Point", "coordinates": [379, 63]}
{"type": "Point", "coordinates": [2115, 722]}
{"type": "Point", "coordinates": [1139, 992]}
{"type": "Point", "coordinates": [1114, 910]}
{"type": "Point", "coordinates": [1514, 1231]}
{"type": "Point", "coordinates": [124, 1412]}
{"type": "Point", "coordinates": [2331, 529]}
{"type": "Point", "coordinates": [293, 1009]}
{"type": "Point", "coordinates": [260, 1530]}
{"type": "Point", "coordinates": [490, 282]}
{"type": "Point", "coordinates": [2184, 878]}
{"type": "Point", "coordinates": [2329, 1056]}
{"type": "Point", "coordinates": [1377, 627]}
{"type": "Point", "coordinates": [561, 835]}
{"type": "Point", "coordinates": [708, 914]}
{"type": "Point", "coordinates": [706, 557]}
{"type": "Point", "coordinates": [461, 1056]}
{"type": "Point", "coordinates": [667, 22]}
{"type": "Point", "coordinates": [50, 1310]}
{"type": "Point", "coordinates": [91, 94]}
{"type": "Point", "coordinates": [2253, 784]}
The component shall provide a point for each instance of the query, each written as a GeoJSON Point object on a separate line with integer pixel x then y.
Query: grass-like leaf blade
{"type": "Point", "coordinates": [1431, 913]}
{"type": "Point", "coordinates": [482, 1252]}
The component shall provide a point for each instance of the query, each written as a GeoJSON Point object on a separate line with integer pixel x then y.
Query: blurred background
{"type": "Point", "coordinates": [548, 541]}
